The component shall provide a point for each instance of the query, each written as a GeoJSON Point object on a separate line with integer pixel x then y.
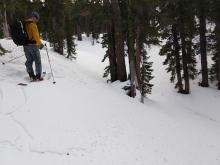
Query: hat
{"type": "Point", "coordinates": [35, 14]}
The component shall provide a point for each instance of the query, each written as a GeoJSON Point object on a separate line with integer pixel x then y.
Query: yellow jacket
{"type": "Point", "coordinates": [32, 31]}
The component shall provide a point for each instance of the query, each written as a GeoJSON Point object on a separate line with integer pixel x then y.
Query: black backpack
{"type": "Point", "coordinates": [18, 33]}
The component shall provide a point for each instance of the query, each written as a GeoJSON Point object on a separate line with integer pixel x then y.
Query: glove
{"type": "Point", "coordinates": [41, 46]}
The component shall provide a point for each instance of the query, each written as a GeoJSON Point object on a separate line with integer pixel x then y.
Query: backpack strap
{"type": "Point", "coordinates": [26, 22]}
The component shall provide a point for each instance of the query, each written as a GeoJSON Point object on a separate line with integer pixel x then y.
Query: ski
{"type": "Point", "coordinates": [45, 76]}
{"type": "Point", "coordinates": [22, 84]}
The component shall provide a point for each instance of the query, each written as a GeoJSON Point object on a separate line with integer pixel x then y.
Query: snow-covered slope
{"type": "Point", "coordinates": [85, 121]}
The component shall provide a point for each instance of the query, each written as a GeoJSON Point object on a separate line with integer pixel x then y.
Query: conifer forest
{"type": "Point", "coordinates": [187, 31]}
{"type": "Point", "coordinates": [109, 82]}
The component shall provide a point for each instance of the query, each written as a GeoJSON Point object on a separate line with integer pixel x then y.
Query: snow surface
{"type": "Point", "coordinates": [83, 120]}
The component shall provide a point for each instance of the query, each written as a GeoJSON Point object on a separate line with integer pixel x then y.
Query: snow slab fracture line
{"type": "Point", "coordinates": [5, 142]}
{"type": "Point", "coordinates": [47, 152]}
{"type": "Point", "coordinates": [25, 95]}
{"type": "Point", "coordinates": [22, 127]}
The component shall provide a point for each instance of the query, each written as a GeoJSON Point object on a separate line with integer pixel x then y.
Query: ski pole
{"type": "Point", "coordinates": [3, 63]}
{"type": "Point", "coordinates": [50, 64]}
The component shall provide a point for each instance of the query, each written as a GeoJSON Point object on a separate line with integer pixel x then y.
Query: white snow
{"type": "Point", "coordinates": [83, 120]}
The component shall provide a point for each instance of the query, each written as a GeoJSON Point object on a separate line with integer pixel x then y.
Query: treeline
{"type": "Point", "coordinates": [190, 30]}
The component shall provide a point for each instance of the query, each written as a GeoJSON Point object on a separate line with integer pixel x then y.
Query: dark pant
{"type": "Point", "coordinates": [32, 54]}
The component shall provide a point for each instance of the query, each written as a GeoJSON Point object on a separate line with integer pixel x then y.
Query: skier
{"type": "Point", "coordinates": [31, 50]}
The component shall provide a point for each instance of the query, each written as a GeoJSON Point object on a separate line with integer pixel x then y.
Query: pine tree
{"type": "Point", "coordinates": [1, 23]}
{"type": "Point", "coordinates": [54, 12]}
{"type": "Point", "coordinates": [213, 76]}
{"type": "Point", "coordinates": [97, 18]}
{"type": "Point", "coordinates": [108, 42]}
{"type": "Point", "coordinates": [171, 51]}
{"type": "Point", "coordinates": [146, 75]}
{"type": "Point", "coordinates": [178, 66]}
{"type": "Point", "coordinates": [119, 40]}
{"type": "Point", "coordinates": [178, 27]}
{"type": "Point", "coordinates": [69, 31]}
{"type": "Point", "coordinates": [203, 42]}
{"type": "Point", "coordinates": [131, 49]}
{"type": "Point", "coordinates": [215, 16]}
{"type": "Point", "coordinates": [78, 6]}
{"type": "Point", "coordinates": [143, 30]}
{"type": "Point", "coordinates": [170, 32]}
{"type": "Point", "coordinates": [71, 46]}
{"type": "Point", "coordinates": [113, 40]}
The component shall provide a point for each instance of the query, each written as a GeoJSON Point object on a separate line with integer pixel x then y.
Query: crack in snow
{"type": "Point", "coordinates": [11, 144]}
{"type": "Point", "coordinates": [79, 149]}
{"type": "Point", "coordinates": [47, 152]}
{"type": "Point", "coordinates": [12, 112]}
{"type": "Point", "coordinates": [22, 127]}
{"type": "Point", "coordinates": [61, 153]}
{"type": "Point", "coordinates": [25, 95]}
{"type": "Point", "coordinates": [5, 142]}
{"type": "Point", "coordinates": [202, 115]}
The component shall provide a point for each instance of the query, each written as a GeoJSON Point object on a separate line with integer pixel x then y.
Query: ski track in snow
{"type": "Point", "coordinates": [201, 115]}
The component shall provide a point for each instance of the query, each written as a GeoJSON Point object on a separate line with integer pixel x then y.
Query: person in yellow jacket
{"type": "Point", "coordinates": [31, 50]}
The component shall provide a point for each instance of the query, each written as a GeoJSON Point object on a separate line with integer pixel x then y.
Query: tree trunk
{"type": "Point", "coordinates": [79, 33]}
{"type": "Point", "coordinates": [111, 52]}
{"type": "Point", "coordinates": [218, 51]}
{"type": "Point", "coordinates": [119, 41]}
{"type": "Point", "coordinates": [177, 58]}
{"type": "Point", "coordinates": [138, 55]}
{"type": "Point", "coordinates": [60, 45]}
{"type": "Point", "coordinates": [183, 47]}
{"type": "Point", "coordinates": [184, 59]}
{"type": "Point", "coordinates": [131, 50]}
{"type": "Point", "coordinates": [5, 23]}
{"type": "Point", "coordinates": [203, 43]}
{"type": "Point", "coordinates": [111, 43]}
